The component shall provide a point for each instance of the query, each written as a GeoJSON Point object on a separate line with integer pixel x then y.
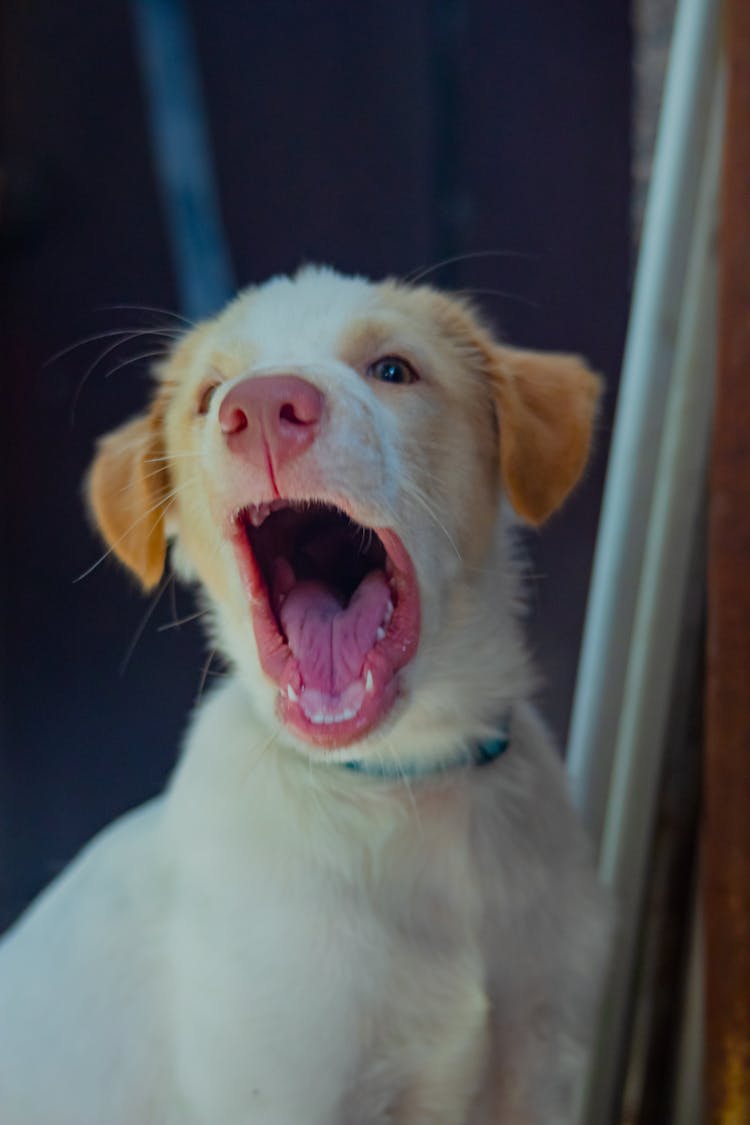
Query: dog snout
{"type": "Point", "coordinates": [276, 416]}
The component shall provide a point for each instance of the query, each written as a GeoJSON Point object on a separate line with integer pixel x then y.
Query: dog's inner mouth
{"type": "Point", "coordinates": [329, 587]}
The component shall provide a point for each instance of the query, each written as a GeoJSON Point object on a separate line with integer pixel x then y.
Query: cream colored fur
{"type": "Point", "coordinates": [276, 941]}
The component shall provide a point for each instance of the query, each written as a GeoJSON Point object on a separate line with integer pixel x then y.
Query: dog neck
{"type": "Point", "coordinates": [477, 755]}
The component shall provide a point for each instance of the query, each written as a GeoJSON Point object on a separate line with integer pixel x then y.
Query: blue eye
{"type": "Point", "coordinates": [392, 369]}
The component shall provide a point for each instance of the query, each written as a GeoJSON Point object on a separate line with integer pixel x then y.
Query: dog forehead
{"type": "Point", "coordinates": [299, 319]}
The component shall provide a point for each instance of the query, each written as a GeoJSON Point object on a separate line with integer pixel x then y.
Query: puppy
{"type": "Point", "coordinates": [364, 897]}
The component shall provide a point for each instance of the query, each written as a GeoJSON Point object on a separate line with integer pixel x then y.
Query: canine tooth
{"type": "Point", "coordinates": [292, 694]}
{"type": "Point", "coordinates": [388, 613]}
{"type": "Point", "coordinates": [380, 633]}
{"type": "Point", "coordinates": [258, 513]}
{"type": "Point", "coordinates": [369, 685]}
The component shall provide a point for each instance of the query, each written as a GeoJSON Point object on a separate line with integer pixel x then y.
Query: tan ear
{"type": "Point", "coordinates": [127, 486]}
{"type": "Point", "coordinates": [547, 406]}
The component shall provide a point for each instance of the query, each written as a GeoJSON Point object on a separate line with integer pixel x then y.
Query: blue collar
{"type": "Point", "coordinates": [480, 754]}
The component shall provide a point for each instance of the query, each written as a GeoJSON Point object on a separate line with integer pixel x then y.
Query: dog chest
{"type": "Point", "coordinates": [306, 958]}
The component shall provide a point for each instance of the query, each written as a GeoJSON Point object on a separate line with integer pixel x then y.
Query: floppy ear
{"type": "Point", "coordinates": [546, 406]}
{"type": "Point", "coordinates": [127, 485]}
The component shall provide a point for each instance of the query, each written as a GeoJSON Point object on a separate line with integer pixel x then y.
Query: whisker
{"type": "Point", "coordinates": [410, 791]}
{"type": "Point", "coordinates": [181, 621]}
{"type": "Point", "coordinates": [472, 255]}
{"type": "Point", "coordinates": [163, 463]}
{"type": "Point", "coordinates": [204, 675]}
{"type": "Point", "coordinates": [164, 501]}
{"type": "Point", "coordinates": [150, 309]}
{"type": "Point", "coordinates": [118, 343]}
{"type": "Point", "coordinates": [133, 359]}
{"type": "Point", "coordinates": [255, 758]}
{"type": "Point", "coordinates": [147, 476]}
{"type": "Point", "coordinates": [93, 566]}
{"type": "Point", "coordinates": [144, 622]}
{"type": "Point", "coordinates": [168, 497]}
{"type": "Point", "coordinates": [413, 491]}
{"type": "Point", "coordinates": [140, 330]}
{"type": "Point", "coordinates": [125, 337]}
{"type": "Point", "coordinates": [170, 457]}
{"type": "Point", "coordinates": [314, 787]}
{"type": "Point", "coordinates": [122, 339]}
{"type": "Point", "coordinates": [173, 601]}
{"type": "Point", "coordinates": [502, 293]}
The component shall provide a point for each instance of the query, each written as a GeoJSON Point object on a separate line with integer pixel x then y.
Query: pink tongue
{"type": "Point", "coordinates": [330, 642]}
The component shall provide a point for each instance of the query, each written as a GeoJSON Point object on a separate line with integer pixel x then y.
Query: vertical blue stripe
{"type": "Point", "coordinates": [182, 155]}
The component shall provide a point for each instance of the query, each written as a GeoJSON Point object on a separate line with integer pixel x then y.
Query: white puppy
{"type": "Point", "coordinates": [364, 897]}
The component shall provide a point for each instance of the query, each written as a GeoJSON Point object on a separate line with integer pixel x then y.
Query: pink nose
{"type": "Point", "coordinates": [273, 416]}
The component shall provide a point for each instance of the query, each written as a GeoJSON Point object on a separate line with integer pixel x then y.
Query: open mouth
{"type": "Point", "coordinates": [335, 609]}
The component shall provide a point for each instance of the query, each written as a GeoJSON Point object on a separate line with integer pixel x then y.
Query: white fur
{"type": "Point", "coordinates": [277, 941]}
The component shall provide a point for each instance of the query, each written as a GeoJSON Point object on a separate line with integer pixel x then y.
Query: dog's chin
{"type": "Point", "coordinates": [335, 610]}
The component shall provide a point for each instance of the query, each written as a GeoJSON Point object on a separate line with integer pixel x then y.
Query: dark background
{"type": "Point", "coordinates": [377, 136]}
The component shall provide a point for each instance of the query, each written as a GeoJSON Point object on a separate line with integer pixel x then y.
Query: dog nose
{"type": "Point", "coordinates": [274, 415]}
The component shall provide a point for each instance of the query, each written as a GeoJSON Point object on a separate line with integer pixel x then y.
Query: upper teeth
{"type": "Point", "coordinates": [257, 513]}
{"type": "Point", "coordinates": [387, 615]}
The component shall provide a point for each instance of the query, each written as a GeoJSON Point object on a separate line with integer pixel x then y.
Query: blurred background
{"type": "Point", "coordinates": [381, 137]}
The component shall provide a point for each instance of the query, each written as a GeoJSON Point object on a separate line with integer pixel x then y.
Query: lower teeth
{"type": "Point", "coordinates": [328, 719]}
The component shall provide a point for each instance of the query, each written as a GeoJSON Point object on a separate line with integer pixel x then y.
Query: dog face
{"type": "Point", "coordinates": [327, 457]}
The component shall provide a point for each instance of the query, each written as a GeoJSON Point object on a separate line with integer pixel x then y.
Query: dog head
{"type": "Point", "coordinates": [327, 458]}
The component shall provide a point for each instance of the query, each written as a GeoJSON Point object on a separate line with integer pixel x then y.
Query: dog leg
{"type": "Point", "coordinates": [442, 1091]}
{"type": "Point", "coordinates": [535, 1082]}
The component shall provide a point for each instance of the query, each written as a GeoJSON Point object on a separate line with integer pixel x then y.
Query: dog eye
{"type": "Point", "coordinates": [392, 369]}
{"type": "Point", "coordinates": [204, 399]}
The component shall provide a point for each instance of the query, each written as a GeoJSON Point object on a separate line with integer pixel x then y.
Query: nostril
{"type": "Point", "coordinates": [288, 413]}
{"type": "Point", "coordinates": [232, 420]}
{"type": "Point", "coordinates": [278, 408]}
